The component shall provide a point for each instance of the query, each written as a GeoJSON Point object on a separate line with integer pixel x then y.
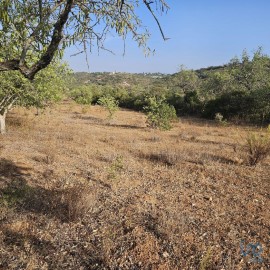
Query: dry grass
{"type": "Point", "coordinates": [77, 193]}
{"type": "Point", "coordinates": [257, 147]}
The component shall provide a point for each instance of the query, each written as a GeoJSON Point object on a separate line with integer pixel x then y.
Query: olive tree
{"type": "Point", "coordinates": [44, 28]}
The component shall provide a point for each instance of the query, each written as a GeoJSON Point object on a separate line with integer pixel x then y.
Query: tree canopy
{"type": "Point", "coordinates": [32, 32]}
{"type": "Point", "coordinates": [45, 89]}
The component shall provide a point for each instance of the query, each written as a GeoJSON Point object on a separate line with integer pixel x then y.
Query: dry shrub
{"type": "Point", "coordinates": [257, 147]}
{"type": "Point", "coordinates": [189, 136]}
{"type": "Point", "coordinates": [24, 121]}
{"type": "Point", "coordinates": [154, 139]}
{"type": "Point", "coordinates": [49, 151]}
{"type": "Point", "coordinates": [1, 148]}
{"type": "Point", "coordinates": [48, 156]}
{"type": "Point", "coordinates": [167, 157]}
{"type": "Point", "coordinates": [85, 109]}
{"type": "Point", "coordinates": [79, 201]}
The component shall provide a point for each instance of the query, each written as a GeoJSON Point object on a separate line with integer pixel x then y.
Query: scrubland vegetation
{"type": "Point", "coordinates": [238, 91]}
{"type": "Point", "coordinates": [127, 171]}
{"type": "Point", "coordinates": [87, 186]}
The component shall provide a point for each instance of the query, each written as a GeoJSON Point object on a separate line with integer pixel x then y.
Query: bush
{"type": "Point", "coordinates": [251, 107]}
{"type": "Point", "coordinates": [230, 104]}
{"type": "Point", "coordinates": [189, 103]}
{"type": "Point", "coordinates": [260, 112]}
{"type": "Point", "coordinates": [159, 113]}
{"type": "Point", "coordinates": [220, 120]}
{"type": "Point", "coordinates": [82, 95]}
{"type": "Point", "coordinates": [110, 104]}
{"type": "Point", "coordinates": [258, 147]}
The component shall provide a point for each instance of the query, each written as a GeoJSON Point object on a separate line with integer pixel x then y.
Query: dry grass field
{"type": "Point", "coordinates": [80, 192]}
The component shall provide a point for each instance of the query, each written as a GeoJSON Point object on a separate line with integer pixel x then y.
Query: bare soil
{"type": "Point", "coordinates": [80, 192]}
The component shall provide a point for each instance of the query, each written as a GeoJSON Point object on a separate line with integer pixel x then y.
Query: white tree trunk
{"type": "Point", "coordinates": [3, 123]}
{"type": "Point", "coordinates": [5, 106]}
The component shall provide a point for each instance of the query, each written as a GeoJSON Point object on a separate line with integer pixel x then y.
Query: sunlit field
{"type": "Point", "coordinates": [78, 191]}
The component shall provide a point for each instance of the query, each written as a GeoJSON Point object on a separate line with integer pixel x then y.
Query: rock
{"type": "Point", "coordinates": [166, 254]}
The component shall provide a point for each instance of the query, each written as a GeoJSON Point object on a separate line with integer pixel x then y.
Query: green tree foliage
{"type": "Point", "coordinates": [230, 104]}
{"type": "Point", "coordinates": [159, 113]}
{"type": "Point", "coordinates": [45, 28]}
{"type": "Point", "coordinates": [190, 103]}
{"type": "Point", "coordinates": [239, 90]}
{"type": "Point", "coordinates": [47, 88]}
{"type": "Point", "coordinates": [250, 73]}
{"type": "Point", "coordinates": [82, 94]}
{"type": "Point", "coordinates": [187, 80]}
{"type": "Point", "coordinates": [217, 83]}
{"type": "Point", "coordinates": [110, 104]}
{"type": "Point", "coordinates": [260, 110]}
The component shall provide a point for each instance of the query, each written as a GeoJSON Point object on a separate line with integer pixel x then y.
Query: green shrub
{"type": "Point", "coordinates": [230, 104]}
{"type": "Point", "coordinates": [189, 103]}
{"type": "Point", "coordinates": [159, 113]}
{"type": "Point", "coordinates": [260, 112]}
{"type": "Point", "coordinates": [110, 104]}
{"type": "Point", "coordinates": [251, 107]}
{"type": "Point", "coordinates": [220, 119]}
{"type": "Point", "coordinates": [82, 95]}
{"type": "Point", "coordinates": [116, 167]}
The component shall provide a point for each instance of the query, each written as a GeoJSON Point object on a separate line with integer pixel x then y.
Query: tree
{"type": "Point", "coordinates": [187, 80]}
{"type": "Point", "coordinates": [250, 73]}
{"type": "Point", "coordinates": [82, 95]}
{"type": "Point", "coordinates": [218, 83]}
{"type": "Point", "coordinates": [159, 113]}
{"type": "Point", "coordinates": [45, 28]}
{"type": "Point", "coordinates": [11, 84]}
{"type": "Point", "coordinates": [41, 92]}
{"type": "Point", "coordinates": [110, 104]}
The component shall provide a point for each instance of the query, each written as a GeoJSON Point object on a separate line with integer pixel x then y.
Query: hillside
{"type": "Point", "coordinates": [239, 91]}
{"type": "Point", "coordinates": [116, 78]}
{"type": "Point", "coordinates": [79, 192]}
{"type": "Point", "coordinates": [128, 79]}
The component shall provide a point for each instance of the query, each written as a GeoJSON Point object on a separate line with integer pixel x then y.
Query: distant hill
{"type": "Point", "coordinates": [139, 79]}
{"type": "Point", "coordinates": [116, 78]}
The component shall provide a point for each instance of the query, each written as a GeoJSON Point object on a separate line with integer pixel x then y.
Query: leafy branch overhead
{"type": "Point", "coordinates": [33, 32]}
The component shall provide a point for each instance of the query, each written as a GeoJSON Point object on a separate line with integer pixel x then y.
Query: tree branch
{"type": "Point", "coordinates": [57, 36]}
{"type": "Point", "coordinates": [35, 32]}
{"type": "Point", "coordinates": [9, 65]}
{"type": "Point", "coordinates": [154, 16]}
{"type": "Point", "coordinates": [46, 58]}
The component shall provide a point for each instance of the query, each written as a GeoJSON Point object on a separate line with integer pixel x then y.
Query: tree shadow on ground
{"type": "Point", "coordinates": [103, 122]}
{"type": "Point", "coordinates": [92, 119]}
{"type": "Point", "coordinates": [53, 254]}
{"type": "Point", "coordinates": [9, 170]}
{"type": "Point", "coordinates": [217, 158]}
{"type": "Point", "coordinates": [126, 126]}
{"type": "Point", "coordinates": [32, 206]}
{"type": "Point", "coordinates": [16, 192]}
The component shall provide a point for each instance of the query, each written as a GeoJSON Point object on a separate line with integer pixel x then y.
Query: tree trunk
{"type": "Point", "coordinates": [4, 109]}
{"type": "Point", "coordinates": [3, 123]}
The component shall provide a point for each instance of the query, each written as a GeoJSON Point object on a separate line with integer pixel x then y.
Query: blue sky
{"type": "Point", "coordinates": [202, 33]}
